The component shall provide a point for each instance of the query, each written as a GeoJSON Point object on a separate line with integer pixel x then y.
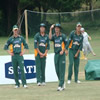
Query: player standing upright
{"type": "Point", "coordinates": [17, 42]}
{"type": "Point", "coordinates": [75, 44]}
{"type": "Point", "coordinates": [41, 45]}
{"type": "Point", "coordinates": [60, 41]}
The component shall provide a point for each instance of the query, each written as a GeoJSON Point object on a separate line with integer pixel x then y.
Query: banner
{"type": "Point", "coordinates": [7, 74]}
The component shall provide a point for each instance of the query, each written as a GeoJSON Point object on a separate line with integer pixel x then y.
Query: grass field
{"type": "Point", "coordinates": [87, 90]}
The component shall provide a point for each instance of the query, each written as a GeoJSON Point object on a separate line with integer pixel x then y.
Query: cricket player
{"type": "Point", "coordinates": [16, 43]}
{"type": "Point", "coordinates": [41, 45]}
{"type": "Point", "coordinates": [75, 44]}
{"type": "Point", "coordinates": [60, 41]}
{"type": "Point", "coordinates": [86, 45]}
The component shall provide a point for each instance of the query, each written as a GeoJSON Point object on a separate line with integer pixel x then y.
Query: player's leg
{"type": "Point", "coordinates": [21, 65]}
{"type": "Point", "coordinates": [15, 69]}
{"type": "Point", "coordinates": [56, 61]}
{"type": "Point", "coordinates": [43, 64]}
{"type": "Point", "coordinates": [76, 67]}
{"type": "Point", "coordinates": [71, 60]}
{"type": "Point", "coordinates": [38, 69]}
{"type": "Point", "coordinates": [62, 69]}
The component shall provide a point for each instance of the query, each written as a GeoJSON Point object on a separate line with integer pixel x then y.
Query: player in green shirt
{"type": "Point", "coordinates": [75, 45]}
{"type": "Point", "coordinates": [16, 43]}
{"type": "Point", "coordinates": [41, 45]}
{"type": "Point", "coordinates": [60, 41]}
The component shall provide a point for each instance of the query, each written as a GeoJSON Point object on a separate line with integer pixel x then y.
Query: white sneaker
{"type": "Point", "coordinates": [60, 89]}
{"type": "Point", "coordinates": [78, 82]}
{"type": "Point", "coordinates": [25, 86]}
{"type": "Point", "coordinates": [69, 81]}
{"type": "Point", "coordinates": [39, 84]}
{"type": "Point", "coordinates": [16, 87]}
{"type": "Point", "coordinates": [43, 83]}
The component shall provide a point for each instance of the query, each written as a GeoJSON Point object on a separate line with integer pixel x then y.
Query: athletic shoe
{"type": "Point", "coordinates": [78, 82]}
{"type": "Point", "coordinates": [39, 84]}
{"type": "Point", "coordinates": [16, 86]}
{"type": "Point", "coordinates": [25, 86]}
{"type": "Point", "coordinates": [60, 89]}
{"type": "Point", "coordinates": [43, 83]}
{"type": "Point", "coordinates": [69, 81]}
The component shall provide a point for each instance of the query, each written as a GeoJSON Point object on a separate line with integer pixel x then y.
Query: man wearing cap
{"type": "Point", "coordinates": [16, 43]}
{"type": "Point", "coordinates": [60, 41]}
{"type": "Point", "coordinates": [41, 45]}
{"type": "Point", "coordinates": [75, 45]}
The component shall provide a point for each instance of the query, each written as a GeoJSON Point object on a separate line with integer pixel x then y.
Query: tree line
{"type": "Point", "coordinates": [11, 10]}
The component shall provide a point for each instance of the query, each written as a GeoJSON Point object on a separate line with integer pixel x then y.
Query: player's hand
{"type": "Point", "coordinates": [22, 53]}
{"type": "Point", "coordinates": [41, 54]}
{"type": "Point", "coordinates": [76, 55]}
{"type": "Point", "coordinates": [89, 38]}
{"type": "Point", "coordinates": [52, 26]}
{"type": "Point", "coordinates": [12, 54]}
{"type": "Point", "coordinates": [61, 52]}
{"type": "Point", "coordinates": [66, 52]}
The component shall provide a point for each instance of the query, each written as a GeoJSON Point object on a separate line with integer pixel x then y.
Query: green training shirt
{"type": "Point", "coordinates": [41, 42]}
{"type": "Point", "coordinates": [17, 44]}
{"type": "Point", "coordinates": [59, 42]}
{"type": "Point", "coordinates": [75, 41]}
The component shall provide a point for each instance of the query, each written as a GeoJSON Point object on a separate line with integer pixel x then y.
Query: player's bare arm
{"type": "Point", "coordinates": [50, 32]}
{"type": "Point", "coordinates": [11, 53]}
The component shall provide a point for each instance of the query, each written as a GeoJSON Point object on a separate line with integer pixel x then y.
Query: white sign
{"type": "Point", "coordinates": [6, 69]}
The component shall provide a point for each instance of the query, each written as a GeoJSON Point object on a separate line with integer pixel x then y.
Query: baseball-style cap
{"type": "Point", "coordinates": [78, 24]}
{"type": "Point", "coordinates": [58, 25]}
{"type": "Point", "coordinates": [42, 25]}
{"type": "Point", "coordinates": [15, 27]}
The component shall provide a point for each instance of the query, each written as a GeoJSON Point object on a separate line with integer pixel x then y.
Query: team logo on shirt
{"type": "Point", "coordinates": [57, 45]}
{"type": "Point", "coordinates": [17, 45]}
{"type": "Point", "coordinates": [76, 43]}
{"type": "Point", "coordinates": [57, 41]}
{"type": "Point", "coordinates": [42, 41]}
{"type": "Point", "coordinates": [42, 44]}
{"type": "Point", "coordinates": [16, 42]}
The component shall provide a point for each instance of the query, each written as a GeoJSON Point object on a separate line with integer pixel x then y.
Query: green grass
{"type": "Point", "coordinates": [87, 90]}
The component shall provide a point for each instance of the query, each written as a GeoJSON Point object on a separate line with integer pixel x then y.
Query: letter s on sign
{"type": "Point", "coordinates": [10, 70]}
